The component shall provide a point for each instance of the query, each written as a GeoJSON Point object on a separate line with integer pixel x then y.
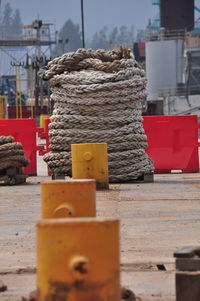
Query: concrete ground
{"type": "Point", "coordinates": [156, 219]}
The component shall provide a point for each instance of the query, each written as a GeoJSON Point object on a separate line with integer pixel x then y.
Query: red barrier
{"type": "Point", "coordinates": [24, 131]}
{"type": "Point", "coordinates": [173, 142]}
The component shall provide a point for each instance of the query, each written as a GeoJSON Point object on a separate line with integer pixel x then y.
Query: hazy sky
{"type": "Point", "coordinates": [98, 13]}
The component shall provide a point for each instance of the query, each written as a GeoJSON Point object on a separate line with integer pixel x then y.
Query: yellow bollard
{"type": "Point", "coordinates": [72, 198]}
{"type": "Point", "coordinates": [78, 259]}
{"type": "Point", "coordinates": [42, 121]}
{"type": "Point", "coordinates": [3, 106]}
{"type": "Point", "coordinates": [90, 161]}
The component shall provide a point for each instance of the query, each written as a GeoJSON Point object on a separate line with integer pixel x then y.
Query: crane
{"type": "Point", "coordinates": [155, 24]}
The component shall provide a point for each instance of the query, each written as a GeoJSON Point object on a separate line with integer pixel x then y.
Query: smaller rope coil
{"type": "Point", "coordinates": [11, 153]}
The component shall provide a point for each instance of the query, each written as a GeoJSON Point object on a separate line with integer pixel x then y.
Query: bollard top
{"type": "Point", "coordinates": [73, 222]}
{"type": "Point", "coordinates": [86, 144]}
{"type": "Point", "coordinates": [69, 182]}
{"type": "Point", "coordinates": [187, 252]}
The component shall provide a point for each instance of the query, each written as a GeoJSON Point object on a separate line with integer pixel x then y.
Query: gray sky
{"type": "Point", "coordinates": [98, 13]}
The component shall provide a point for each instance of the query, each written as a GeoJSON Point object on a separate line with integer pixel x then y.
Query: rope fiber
{"type": "Point", "coordinates": [97, 97]}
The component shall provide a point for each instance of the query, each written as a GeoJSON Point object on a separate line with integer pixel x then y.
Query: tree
{"type": "Point", "coordinates": [17, 23]}
{"type": "Point", "coordinates": [6, 20]}
{"type": "Point", "coordinates": [69, 38]}
{"type": "Point", "coordinates": [131, 35]}
{"type": "Point", "coordinates": [12, 24]}
{"type": "Point", "coordinates": [123, 35]}
{"type": "Point", "coordinates": [7, 15]}
{"type": "Point", "coordinates": [113, 37]}
{"type": "Point", "coordinates": [100, 39]}
{"type": "Point", "coordinates": [118, 36]}
{"type": "Point", "coordinates": [95, 41]}
{"type": "Point", "coordinates": [140, 35]}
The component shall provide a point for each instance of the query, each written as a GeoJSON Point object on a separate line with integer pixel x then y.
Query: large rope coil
{"type": "Point", "coordinates": [97, 98]}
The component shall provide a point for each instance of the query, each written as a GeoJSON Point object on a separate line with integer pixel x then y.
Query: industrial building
{"type": "Point", "coordinates": [173, 59]}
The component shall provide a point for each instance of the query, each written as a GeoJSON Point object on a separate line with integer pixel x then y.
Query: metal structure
{"type": "Point", "coordinates": [187, 274]}
{"type": "Point", "coordinates": [82, 25]}
{"type": "Point", "coordinates": [193, 72]}
{"type": "Point", "coordinates": [177, 15]}
{"type": "Point", "coordinates": [39, 36]}
{"type": "Point", "coordinates": [173, 55]}
{"type": "Point", "coordinates": [164, 66]}
{"type": "Point", "coordinates": [155, 23]}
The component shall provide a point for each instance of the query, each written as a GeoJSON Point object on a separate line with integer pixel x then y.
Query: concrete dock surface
{"type": "Point", "coordinates": [156, 220]}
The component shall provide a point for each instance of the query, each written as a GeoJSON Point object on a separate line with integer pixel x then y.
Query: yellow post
{"type": "Point", "coordinates": [42, 121]}
{"type": "Point", "coordinates": [17, 105]}
{"type": "Point", "coordinates": [31, 90]}
{"type": "Point", "coordinates": [78, 259]}
{"type": "Point", "coordinates": [3, 107]}
{"type": "Point", "coordinates": [2, 114]}
{"type": "Point", "coordinates": [20, 104]}
{"type": "Point", "coordinates": [73, 198]}
{"type": "Point", "coordinates": [17, 94]}
{"type": "Point", "coordinates": [90, 161]}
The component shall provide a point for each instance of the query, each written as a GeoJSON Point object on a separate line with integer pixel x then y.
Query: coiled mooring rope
{"type": "Point", "coordinates": [97, 98]}
{"type": "Point", "coordinates": [11, 153]}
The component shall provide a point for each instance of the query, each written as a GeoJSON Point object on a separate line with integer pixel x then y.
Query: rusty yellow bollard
{"type": "Point", "coordinates": [72, 198]}
{"type": "Point", "coordinates": [42, 121]}
{"type": "Point", "coordinates": [90, 161]}
{"type": "Point", "coordinates": [78, 259]}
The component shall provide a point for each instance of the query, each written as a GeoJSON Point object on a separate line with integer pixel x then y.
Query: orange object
{"type": "Point", "coordinates": [42, 121]}
{"type": "Point", "coordinates": [90, 161]}
{"type": "Point", "coordinates": [78, 259]}
{"type": "Point", "coordinates": [72, 198]}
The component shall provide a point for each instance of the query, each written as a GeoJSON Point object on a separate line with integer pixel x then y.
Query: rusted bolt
{"type": "Point", "coordinates": [79, 266]}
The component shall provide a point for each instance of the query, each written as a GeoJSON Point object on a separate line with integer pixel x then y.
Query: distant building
{"type": "Point", "coordinates": [139, 51]}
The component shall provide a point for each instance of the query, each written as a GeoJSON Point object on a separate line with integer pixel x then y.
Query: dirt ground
{"type": "Point", "coordinates": [156, 220]}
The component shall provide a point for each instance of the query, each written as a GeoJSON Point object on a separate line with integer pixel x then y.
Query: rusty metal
{"type": "Point", "coordinates": [72, 198]}
{"type": "Point", "coordinates": [78, 259]}
{"type": "Point", "coordinates": [188, 274]}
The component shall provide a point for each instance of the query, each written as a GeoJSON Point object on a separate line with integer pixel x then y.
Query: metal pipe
{"type": "Point", "coordinates": [82, 25]}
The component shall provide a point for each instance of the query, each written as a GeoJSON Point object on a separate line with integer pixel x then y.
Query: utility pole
{"type": "Point", "coordinates": [37, 24]}
{"type": "Point", "coordinates": [82, 25]}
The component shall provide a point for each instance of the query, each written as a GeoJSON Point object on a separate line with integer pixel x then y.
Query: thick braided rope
{"type": "Point", "coordinates": [97, 98]}
{"type": "Point", "coordinates": [11, 153]}
{"type": "Point", "coordinates": [6, 139]}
